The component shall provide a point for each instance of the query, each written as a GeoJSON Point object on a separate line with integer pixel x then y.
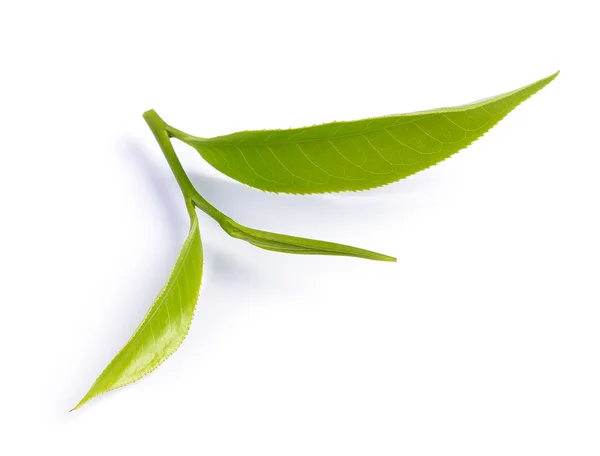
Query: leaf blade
{"type": "Point", "coordinates": [355, 155]}
{"type": "Point", "coordinates": [164, 326]}
{"type": "Point", "coordinates": [285, 243]}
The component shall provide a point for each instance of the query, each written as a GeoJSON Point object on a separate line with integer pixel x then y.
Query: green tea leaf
{"type": "Point", "coordinates": [297, 245]}
{"type": "Point", "coordinates": [165, 325]}
{"type": "Point", "coordinates": [355, 155]}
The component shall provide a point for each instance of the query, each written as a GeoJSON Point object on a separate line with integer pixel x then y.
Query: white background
{"type": "Point", "coordinates": [482, 340]}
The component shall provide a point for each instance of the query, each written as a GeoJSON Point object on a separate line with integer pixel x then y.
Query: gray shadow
{"type": "Point", "coordinates": [163, 188]}
{"type": "Point", "coordinates": [159, 186]}
{"type": "Point", "coordinates": [140, 288]}
{"type": "Point", "coordinates": [221, 266]}
{"type": "Point", "coordinates": [328, 213]}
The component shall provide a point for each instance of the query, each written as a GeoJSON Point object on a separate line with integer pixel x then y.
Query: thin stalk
{"type": "Point", "coordinates": [157, 126]}
{"type": "Point", "coordinates": [190, 194]}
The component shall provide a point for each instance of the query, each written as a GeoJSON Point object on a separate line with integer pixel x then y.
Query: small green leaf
{"type": "Point", "coordinates": [297, 245]}
{"type": "Point", "coordinates": [355, 155]}
{"type": "Point", "coordinates": [165, 325]}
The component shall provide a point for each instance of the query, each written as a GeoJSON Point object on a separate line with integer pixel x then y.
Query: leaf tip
{"type": "Point", "coordinates": [80, 403]}
{"type": "Point", "coordinates": [382, 257]}
{"type": "Point", "coordinates": [76, 407]}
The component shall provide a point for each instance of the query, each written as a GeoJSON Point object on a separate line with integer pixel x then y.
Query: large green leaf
{"type": "Point", "coordinates": [355, 155]}
{"type": "Point", "coordinates": [165, 325]}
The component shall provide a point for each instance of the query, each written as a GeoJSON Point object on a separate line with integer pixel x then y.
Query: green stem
{"type": "Point", "coordinates": [157, 126]}
{"type": "Point", "coordinates": [190, 194]}
{"type": "Point", "coordinates": [176, 133]}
